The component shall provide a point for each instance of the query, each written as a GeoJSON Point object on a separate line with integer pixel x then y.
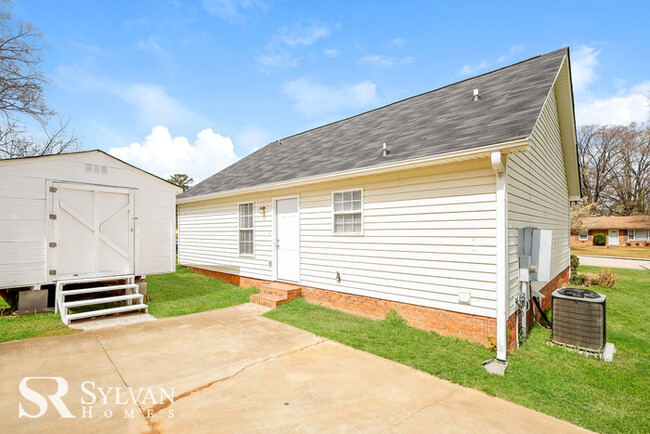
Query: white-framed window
{"type": "Point", "coordinates": [584, 235]}
{"type": "Point", "coordinates": [246, 229]}
{"type": "Point", "coordinates": [347, 210]}
{"type": "Point", "coordinates": [638, 235]}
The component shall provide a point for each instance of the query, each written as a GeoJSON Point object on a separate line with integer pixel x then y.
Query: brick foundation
{"type": "Point", "coordinates": [245, 282]}
{"type": "Point", "coordinates": [476, 328]}
{"type": "Point", "coordinates": [467, 326]}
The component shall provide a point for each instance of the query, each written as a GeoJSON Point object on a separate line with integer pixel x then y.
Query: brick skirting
{"type": "Point", "coordinates": [245, 282]}
{"type": "Point", "coordinates": [476, 328]}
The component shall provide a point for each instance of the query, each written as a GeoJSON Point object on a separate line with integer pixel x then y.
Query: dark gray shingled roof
{"type": "Point", "coordinates": [437, 122]}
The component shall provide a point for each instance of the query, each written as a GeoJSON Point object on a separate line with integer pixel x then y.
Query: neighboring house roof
{"type": "Point", "coordinates": [632, 222]}
{"type": "Point", "coordinates": [437, 122]}
{"type": "Point", "coordinates": [65, 154]}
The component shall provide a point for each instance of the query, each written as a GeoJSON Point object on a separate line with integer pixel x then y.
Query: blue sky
{"type": "Point", "coordinates": [175, 86]}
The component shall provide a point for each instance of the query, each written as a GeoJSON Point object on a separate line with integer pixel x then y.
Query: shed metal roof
{"type": "Point", "coordinates": [437, 122]}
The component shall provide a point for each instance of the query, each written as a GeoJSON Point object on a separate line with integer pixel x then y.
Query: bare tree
{"type": "Point", "coordinates": [630, 188]}
{"type": "Point", "coordinates": [17, 142]}
{"type": "Point", "coordinates": [597, 151]}
{"type": "Point", "coordinates": [22, 93]}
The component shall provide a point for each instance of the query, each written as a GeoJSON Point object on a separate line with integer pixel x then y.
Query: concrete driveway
{"type": "Point", "coordinates": [615, 262]}
{"type": "Point", "coordinates": [233, 370]}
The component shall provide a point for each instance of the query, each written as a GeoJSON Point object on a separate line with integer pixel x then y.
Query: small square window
{"type": "Point", "coordinates": [584, 236]}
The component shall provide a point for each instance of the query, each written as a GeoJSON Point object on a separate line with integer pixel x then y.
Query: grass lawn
{"type": "Point", "coordinates": [173, 294]}
{"type": "Point", "coordinates": [601, 396]}
{"type": "Point", "coordinates": [624, 252]}
{"type": "Point", "coordinates": [29, 326]}
{"type": "Point", "coordinates": [185, 292]}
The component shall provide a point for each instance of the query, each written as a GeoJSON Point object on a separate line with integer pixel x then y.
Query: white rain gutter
{"type": "Point", "coordinates": [484, 151]}
{"type": "Point", "coordinates": [498, 165]}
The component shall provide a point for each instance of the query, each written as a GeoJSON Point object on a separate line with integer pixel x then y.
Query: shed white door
{"type": "Point", "coordinates": [287, 240]}
{"type": "Point", "coordinates": [613, 237]}
{"type": "Point", "coordinates": [93, 231]}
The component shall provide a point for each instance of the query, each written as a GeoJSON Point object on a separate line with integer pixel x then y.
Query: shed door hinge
{"type": "Point", "coordinates": [52, 216]}
{"type": "Point", "coordinates": [52, 244]}
{"type": "Point", "coordinates": [53, 189]}
{"type": "Point", "coordinates": [52, 272]}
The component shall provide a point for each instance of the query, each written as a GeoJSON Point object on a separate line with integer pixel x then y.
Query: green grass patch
{"type": "Point", "coordinates": [601, 396]}
{"type": "Point", "coordinates": [173, 294]}
{"type": "Point", "coordinates": [33, 325]}
{"type": "Point", "coordinates": [185, 292]}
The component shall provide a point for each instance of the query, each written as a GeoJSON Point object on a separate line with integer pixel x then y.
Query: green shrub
{"type": "Point", "coordinates": [575, 263]}
{"type": "Point", "coordinates": [577, 279]}
{"type": "Point", "coordinates": [600, 239]}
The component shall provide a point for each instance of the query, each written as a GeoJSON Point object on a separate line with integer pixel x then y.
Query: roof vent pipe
{"type": "Point", "coordinates": [476, 96]}
{"type": "Point", "coordinates": [384, 151]}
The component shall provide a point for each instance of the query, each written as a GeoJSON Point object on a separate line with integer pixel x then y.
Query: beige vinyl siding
{"type": "Point", "coordinates": [427, 233]}
{"type": "Point", "coordinates": [538, 194]}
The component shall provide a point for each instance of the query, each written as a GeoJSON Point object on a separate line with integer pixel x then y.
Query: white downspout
{"type": "Point", "coordinates": [502, 254]}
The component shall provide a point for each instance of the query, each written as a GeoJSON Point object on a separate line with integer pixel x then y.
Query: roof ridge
{"type": "Point", "coordinates": [418, 95]}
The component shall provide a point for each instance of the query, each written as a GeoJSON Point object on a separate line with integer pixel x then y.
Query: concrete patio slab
{"type": "Point", "coordinates": [233, 370]}
{"type": "Point", "coordinates": [75, 358]}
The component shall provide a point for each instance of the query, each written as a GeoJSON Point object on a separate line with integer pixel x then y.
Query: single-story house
{"type": "Point", "coordinates": [413, 207]}
{"type": "Point", "coordinates": [619, 230]}
{"type": "Point", "coordinates": [81, 220]}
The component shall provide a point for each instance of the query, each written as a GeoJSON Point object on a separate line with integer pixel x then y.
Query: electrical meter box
{"type": "Point", "coordinates": [535, 254]}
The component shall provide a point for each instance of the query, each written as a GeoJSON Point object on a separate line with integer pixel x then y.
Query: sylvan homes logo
{"type": "Point", "coordinates": [94, 399]}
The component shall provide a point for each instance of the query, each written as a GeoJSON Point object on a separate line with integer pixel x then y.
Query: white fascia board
{"type": "Point", "coordinates": [510, 147]}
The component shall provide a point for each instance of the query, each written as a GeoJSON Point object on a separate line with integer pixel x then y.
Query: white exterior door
{"type": "Point", "coordinates": [92, 231]}
{"type": "Point", "coordinates": [287, 241]}
{"type": "Point", "coordinates": [613, 237]}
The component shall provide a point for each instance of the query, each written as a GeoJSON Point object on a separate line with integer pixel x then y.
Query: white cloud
{"type": "Point", "coordinates": [316, 99]}
{"type": "Point", "coordinates": [233, 10]}
{"type": "Point", "coordinates": [397, 43]}
{"type": "Point", "coordinates": [152, 103]}
{"type": "Point", "coordinates": [150, 44]}
{"type": "Point", "coordinates": [253, 138]}
{"type": "Point", "coordinates": [277, 53]}
{"type": "Point", "coordinates": [583, 63]}
{"type": "Point", "coordinates": [468, 69]}
{"type": "Point", "coordinates": [385, 61]}
{"type": "Point", "coordinates": [332, 52]}
{"type": "Point", "coordinates": [628, 105]}
{"type": "Point", "coordinates": [303, 34]}
{"type": "Point", "coordinates": [276, 60]}
{"type": "Point", "coordinates": [164, 155]}
{"type": "Point", "coordinates": [473, 69]}
{"type": "Point", "coordinates": [377, 60]}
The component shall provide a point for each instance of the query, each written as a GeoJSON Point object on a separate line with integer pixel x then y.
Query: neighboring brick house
{"type": "Point", "coordinates": [619, 231]}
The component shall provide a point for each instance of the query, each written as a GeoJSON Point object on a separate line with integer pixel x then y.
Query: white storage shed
{"type": "Point", "coordinates": [84, 216]}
